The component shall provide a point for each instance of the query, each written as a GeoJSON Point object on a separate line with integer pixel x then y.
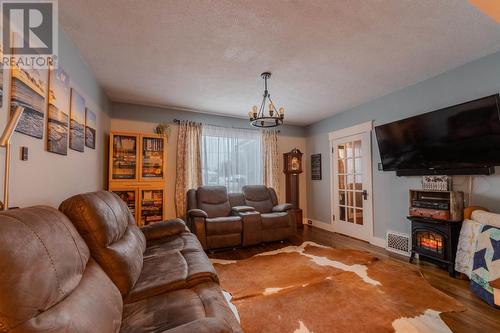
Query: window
{"type": "Point", "coordinates": [231, 157]}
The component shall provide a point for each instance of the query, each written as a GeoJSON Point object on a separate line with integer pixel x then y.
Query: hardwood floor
{"type": "Point", "coordinates": [478, 318]}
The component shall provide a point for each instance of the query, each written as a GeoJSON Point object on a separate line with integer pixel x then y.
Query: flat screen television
{"type": "Point", "coordinates": [455, 140]}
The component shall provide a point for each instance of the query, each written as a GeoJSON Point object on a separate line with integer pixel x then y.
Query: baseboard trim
{"type": "Point", "coordinates": [320, 224]}
{"type": "Point", "coordinates": [377, 241]}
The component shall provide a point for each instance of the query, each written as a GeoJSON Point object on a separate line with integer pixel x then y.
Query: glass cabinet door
{"type": "Point", "coordinates": [151, 202]}
{"type": "Point", "coordinates": [152, 162]}
{"type": "Point", "coordinates": [124, 157]}
{"type": "Point", "coordinates": [129, 196]}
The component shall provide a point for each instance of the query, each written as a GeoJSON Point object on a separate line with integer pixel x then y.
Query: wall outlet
{"type": "Point", "coordinates": [24, 153]}
{"type": "Point", "coordinates": [380, 167]}
{"type": "Point", "coordinates": [309, 222]}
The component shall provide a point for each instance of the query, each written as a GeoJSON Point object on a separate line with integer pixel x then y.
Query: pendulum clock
{"type": "Point", "coordinates": [292, 167]}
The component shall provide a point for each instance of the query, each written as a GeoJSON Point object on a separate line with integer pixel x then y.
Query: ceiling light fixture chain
{"type": "Point", "coordinates": [258, 117]}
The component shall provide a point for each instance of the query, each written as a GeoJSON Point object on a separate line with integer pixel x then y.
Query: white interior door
{"type": "Point", "coordinates": [352, 185]}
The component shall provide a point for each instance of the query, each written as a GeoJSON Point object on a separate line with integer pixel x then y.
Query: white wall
{"type": "Point", "coordinates": [143, 121]}
{"type": "Point", "coordinates": [48, 178]}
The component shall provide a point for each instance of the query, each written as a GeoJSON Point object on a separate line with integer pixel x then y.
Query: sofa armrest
{"type": "Point", "coordinates": [164, 229]}
{"type": "Point", "coordinates": [468, 211]}
{"type": "Point", "coordinates": [282, 208]}
{"type": "Point", "coordinates": [242, 209]}
{"type": "Point", "coordinates": [197, 213]}
{"type": "Point", "coordinates": [198, 227]}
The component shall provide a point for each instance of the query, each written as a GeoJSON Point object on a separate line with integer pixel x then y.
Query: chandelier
{"type": "Point", "coordinates": [259, 117]}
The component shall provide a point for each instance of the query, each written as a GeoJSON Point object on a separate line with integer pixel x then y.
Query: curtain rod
{"type": "Point", "coordinates": [177, 121]}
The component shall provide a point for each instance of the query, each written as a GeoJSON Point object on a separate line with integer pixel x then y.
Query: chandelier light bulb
{"type": "Point", "coordinates": [282, 112]}
{"type": "Point", "coordinates": [259, 117]}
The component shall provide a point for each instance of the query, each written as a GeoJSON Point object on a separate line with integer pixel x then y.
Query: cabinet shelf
{"type": "Point", "coordinates": [137, 174]}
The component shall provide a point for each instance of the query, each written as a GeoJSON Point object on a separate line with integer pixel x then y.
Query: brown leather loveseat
{"type": "Point", "coordinates": [221, 220]}
{"type": "Point", "coordinates": [101, 273]}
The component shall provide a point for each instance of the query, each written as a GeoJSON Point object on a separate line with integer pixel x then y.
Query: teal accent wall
{"type": "Point", "coordinates": [390, 193]}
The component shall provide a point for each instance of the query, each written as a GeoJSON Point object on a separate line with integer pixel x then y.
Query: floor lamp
{"type": "Point", "coordinates": [5, 142]}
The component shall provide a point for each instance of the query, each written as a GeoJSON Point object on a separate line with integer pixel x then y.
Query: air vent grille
{"type": "Point", "coordinates": [398, 243]}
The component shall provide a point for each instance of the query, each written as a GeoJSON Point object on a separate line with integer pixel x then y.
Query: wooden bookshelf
{"type": "Point", "coordinates": [131, 198]}
{"type": "Point", "coordinates": [151, 205]}
{"type": "Point", "coordinates": [137, 174]}
{"type": "Point", "coordinates": [123, 157]}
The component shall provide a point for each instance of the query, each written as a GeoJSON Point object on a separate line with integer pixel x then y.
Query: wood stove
{"type": "Point", "coordinates": [435, 240]}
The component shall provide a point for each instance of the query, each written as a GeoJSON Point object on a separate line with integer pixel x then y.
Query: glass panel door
{"type": "Point", "coordinates": [151, 202]}
{"type": "Point", "coordinates": [129, 196]}
{"type": "Point", "coordinates": [124, 159]}
{"type": "Point", "coordinates": [351, 169]}
{"type": "Point", "coordinates": [350, 185]}
{"type": "Point", "coordinates": [152, 162]}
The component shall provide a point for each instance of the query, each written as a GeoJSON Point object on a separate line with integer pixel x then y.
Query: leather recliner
{"type": "Point", "coordinates": [276, 220]}
{"type": "Point", "coordinates": [138, 269]}
{"type": "Point", "coordinates": [211, 218]}
{"type": "Point", "coordinates": [161, 271]}
{"type": "Point", "coordinates": [51, 283]}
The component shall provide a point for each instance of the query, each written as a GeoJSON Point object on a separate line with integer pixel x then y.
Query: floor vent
{"type": "Point", "coordinates": [398, 243]}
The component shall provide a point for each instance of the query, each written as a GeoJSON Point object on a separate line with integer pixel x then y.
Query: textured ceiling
{"type": "Point", "coordinates": [325, 56]}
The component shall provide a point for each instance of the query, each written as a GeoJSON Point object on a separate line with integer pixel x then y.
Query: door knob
{"type": "Point", "coordinates": [365, 194]}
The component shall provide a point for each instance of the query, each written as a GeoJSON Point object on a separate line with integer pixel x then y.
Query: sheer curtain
{"type": "Point", "coordinates": [231, 157]}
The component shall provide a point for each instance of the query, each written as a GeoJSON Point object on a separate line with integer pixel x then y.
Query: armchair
{"type": "Point", "coordinates": [211, 218]}
{"type": "Point", "coordinates": [276, 219]}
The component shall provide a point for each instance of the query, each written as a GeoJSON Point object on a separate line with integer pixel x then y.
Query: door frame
{"type": "Point", "coordinates": [363, 128]}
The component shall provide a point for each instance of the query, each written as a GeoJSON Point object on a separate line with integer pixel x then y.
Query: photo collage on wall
{"type": "Point", "coordinates": [38, 90]}
{"type": "Point", "coordinates": [69, 122]}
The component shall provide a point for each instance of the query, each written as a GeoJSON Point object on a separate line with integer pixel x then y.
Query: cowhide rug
{"type": "Point", "coordinates": [312, 288]}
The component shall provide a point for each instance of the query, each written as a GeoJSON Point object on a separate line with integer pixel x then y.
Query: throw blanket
{"type": "Point", "coordinates": [467, 246]}
{"type": "Point", "coordinates": [485, 277]}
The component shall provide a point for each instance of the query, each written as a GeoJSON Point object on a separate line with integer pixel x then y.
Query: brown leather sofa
{"type": "Point", "coordinates": [116, 279]}
{"type": "Point", "coordinates": [221, 220]}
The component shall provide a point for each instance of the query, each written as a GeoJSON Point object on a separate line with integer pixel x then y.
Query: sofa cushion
{"type": "Point", "coordinates": [49, 284]}
{"type": "Point", "coordinates": [202, 308]}
{"type": "Point", "coordinates": [213, 200]}
{"type": "Point", "coordinates": [176, 262]}
{"type": "Point", "coordinates": [258, 196]}
{"type": "Point", "coordinates": [223, 225]}
{"type": "Point", "coordinates": [275, 220]}
{"type": "Point", "coordinates": [115, 242]}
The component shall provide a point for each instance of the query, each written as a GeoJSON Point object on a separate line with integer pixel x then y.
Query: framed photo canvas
{"type": "Point", "coordinates": [316, 167]}
{"type": "Point", "coordinates": [90, 125]}
{"type": "Point", "coordinates": [58, 112]}
{"type": "Point", "coordinates": [77, 122]}
{"type": "Point", "coordinates": [28, 89]}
